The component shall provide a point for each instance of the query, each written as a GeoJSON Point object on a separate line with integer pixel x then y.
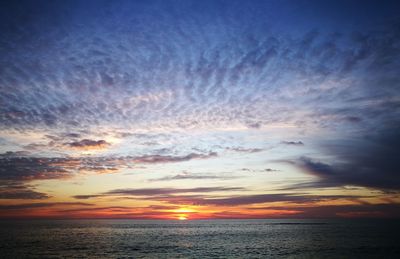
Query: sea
{"type": "Point", "coordinates": [264, 238]}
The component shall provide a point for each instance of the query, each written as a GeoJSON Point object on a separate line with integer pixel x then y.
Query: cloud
{"type": "Point", "coordinates": [369, 162]}
{"type": "Point", "coordinates": [9, 154]}
{"type": "Point", "coordinates": [294, 143]}
{"type": "Point", "coordinates": [346, 211]}
{"type": "Point", "coordinates": [153, 209]}
{"type": "Point", "coordinates": [25, 206]}
{"type": "Point", "coordinates": [88, 144]}
{"type": "Point", "coordinates": [193, 176]}
{"type": "Point", "coordinates": [254, 125]}
{"type": "Point", "coordinates": [270, 170]}
{"type": "Point", "coordinates": [258, 198]}
{"type": "Point", "coordinates": [72, 135]}
{"type": "Point", "coordinates": [18, 168]}
{"type": "Point", "coordinates": [133, 70]}
{"type": "Point", "coordinates": [155, 159]}
{"type": "Point", "coordinates": [99, 209]}
{"type": "Point", "coordinates": [257, 170]}
{"type": "Point", "coordinates": [364, 210]}
{"type": "Point", "coordinates": [245, 150]}
{"type": "Point", "coordinates": [15, 190]}
{"type": "Point", "coordinates": [32, 168]}
{"type": "Point", "coordinates": [222, 77]}
{"type": "Point", "coordinates": [154, 192]}
{"type": "Point", "coordinates": [200, 196]}
{"type": "Point", "coordinates": [99, 169]}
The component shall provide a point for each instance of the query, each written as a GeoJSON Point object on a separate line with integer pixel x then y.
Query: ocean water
{"type": "Point", "coordinates": [200, 239]}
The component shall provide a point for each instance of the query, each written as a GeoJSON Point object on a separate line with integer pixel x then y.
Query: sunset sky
{"type": "Point", "coordinates": [199, 109]}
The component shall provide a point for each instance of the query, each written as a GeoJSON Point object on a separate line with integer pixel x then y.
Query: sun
{"type": "Point", "coordinates": [184, 210]}
{"type": "Point", "coordinates": [182, 217]}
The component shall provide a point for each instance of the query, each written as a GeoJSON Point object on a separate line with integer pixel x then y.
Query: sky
{"type": "Point", "coordinates": [199, 109]}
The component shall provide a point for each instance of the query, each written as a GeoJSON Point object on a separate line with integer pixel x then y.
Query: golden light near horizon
{"type": "Point", "coordinates": [182, 217]}
{"type": "Point", "coordinates": [184, 210]}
